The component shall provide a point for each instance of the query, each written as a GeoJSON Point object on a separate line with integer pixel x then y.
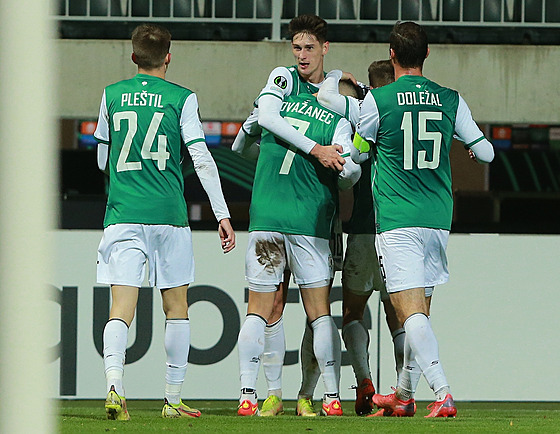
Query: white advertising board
{"type": "Point", "coordinates": [496, 322]}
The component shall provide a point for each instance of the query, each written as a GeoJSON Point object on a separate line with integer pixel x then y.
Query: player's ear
{"type": "Point", "coordinates": [168, 58]}
{"type": "Point", "coordinates": [325, 47]}
{"type": "Point", "coordinates": [427, 52]}
{"type": "Point", "coordinates": [133, 57]}
{"type": "Point", "coordinates": [391, 53]}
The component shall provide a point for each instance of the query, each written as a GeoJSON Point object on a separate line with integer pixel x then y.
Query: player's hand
{"type": "Point", "coordinates": [227, 235]}
{"type": "Point", "coordinates": [349, 76]}
{"type": "Point", "coordinates": [472, 156]}
{"type": "Point", "coordinates": [329, 156]}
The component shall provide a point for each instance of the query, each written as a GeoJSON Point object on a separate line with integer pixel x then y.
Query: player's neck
{"type": "Point", "coordinates": [400, 71]}
{"type": "Point", "coordinates": [156, 72]}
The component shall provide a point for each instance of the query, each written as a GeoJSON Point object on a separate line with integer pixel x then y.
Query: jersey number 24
{"type": "Point", "coordinates": [161, 155]}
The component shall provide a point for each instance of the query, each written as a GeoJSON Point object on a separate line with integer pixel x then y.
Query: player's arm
{"type": "Point", "coordinates": [270, 103]}
{"type": "Point", "coordinates": [351, 171]}
{"type": "Point", "coordinates": [206, 170]}
{"type": "Point", "coordinates": [360, 149]}
{"type": "Point", "coordinates": [102, 136]}
{"type": "Point", "coordinates": [330, 97]}
{"type": "Point", "coordinates": [467, 131]}
{"type": "Point", "coordinates": [367, 128]}
{"type": "Point", "coordinates": [245, 143]}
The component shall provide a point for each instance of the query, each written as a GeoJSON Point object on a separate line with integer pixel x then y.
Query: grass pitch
{"type": "Point", "coordinates": [220, 416]}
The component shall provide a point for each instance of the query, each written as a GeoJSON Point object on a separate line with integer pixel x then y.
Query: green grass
{"type": "Point", "coordinates": [220, 416]}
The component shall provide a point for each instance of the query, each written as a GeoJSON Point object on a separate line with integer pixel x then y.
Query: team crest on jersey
{"type": "Point", "coordinates": [281, 82]}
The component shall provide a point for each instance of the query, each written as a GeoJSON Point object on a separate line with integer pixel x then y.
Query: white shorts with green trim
{"type": "Point", "coordinates": [268, 253]}
{"type": "Point", "coordinates": [125, 249]}
{"type": "Point", "coordinates": [413, 257]}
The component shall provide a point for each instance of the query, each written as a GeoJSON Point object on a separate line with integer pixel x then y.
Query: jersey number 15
{"type": "Point", "coordinates": [423, 134]}
{"type": "Point", "coordinates": [161, 155]}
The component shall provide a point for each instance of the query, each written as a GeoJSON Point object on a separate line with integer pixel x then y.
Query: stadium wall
{"type": "Point", "coordinates": [509, 84]}
{"type": "Point", "coordinates": [496, 321]}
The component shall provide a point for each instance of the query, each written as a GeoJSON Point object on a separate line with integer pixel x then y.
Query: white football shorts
{"type": "Point", "coordinates": [269, 253]}
{"type": "Point", "coordinates": [361, 274]}
{"type": "Point", "coordinates": [125, 248]}
{"type": "Point", "coordinates": [413, 257]}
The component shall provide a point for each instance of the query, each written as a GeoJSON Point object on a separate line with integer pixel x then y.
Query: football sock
{"type": "Point", "coordinates": [337, 349]}
{"type": "Point", "coordinates": [398, 349]}
{"type": "Point", "coordinates": [177, 343]}
{"type": "Point", "coordinates": [273, 356]}
{"type": "Point", "coordinates": [409, 376]}
{"type": "Point", "coordinates": [422, 340]}
{"type": "Point", "coordinates": [356, 340]}
{"type": "Point", "coordinates": [310, 372]}
{"type": "Point", "coordinates": [250, 344]}
{"type": "Point", "coordinates": [324, 347]}
{"type": "Point", "coordinates": [115, 338]}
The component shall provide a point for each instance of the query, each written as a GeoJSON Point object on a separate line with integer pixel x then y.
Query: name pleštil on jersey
{"type": "Point", "coordinates": [141, 99]}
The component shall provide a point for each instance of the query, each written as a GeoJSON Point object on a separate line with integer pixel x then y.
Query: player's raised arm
{"type": "Point", "coordinates": [270, 103]}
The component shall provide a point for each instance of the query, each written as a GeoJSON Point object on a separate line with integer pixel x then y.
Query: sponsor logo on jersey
{"type": "Point", "coordinates": [281, 82]}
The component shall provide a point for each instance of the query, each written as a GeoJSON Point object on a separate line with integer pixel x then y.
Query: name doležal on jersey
{"type": "Point", "coordinates": [418, 98]}
{"type": "Point", "coordinates": [307, 110]}
{"type": "Point", "coordinates": [141, 99]}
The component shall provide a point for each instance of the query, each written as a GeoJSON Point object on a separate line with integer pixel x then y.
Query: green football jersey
{"type": "Point", "coordinates": [412, 179]}
{"type": "Point", "coordinates": [144, 126]}
{"type": "Point", "coordinates": [298, 85]}
{"type": "Point", "coordinates": [292, 193]}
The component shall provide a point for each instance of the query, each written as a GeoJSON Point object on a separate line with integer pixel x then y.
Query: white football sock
{"type": "Point", "coordinates": [177, 343]}
{"type": "Point", "coordinates": [356, 340]}
{"type": "Point", "coordinates": [398, 336]}
{"type": "Point", "coordinates": [273, 356]}
{"type": "Point", "coordinates": [410, 374]}
{"type": "Point", "coordinates": [250, 344]}
{"type": "Point", "coordinates": [337, 350]}
{"type": "Point", "coordinates": [115, 338]}
{"type": "Point", "coordinates": [325, 347]}
{"type": "Point", "coordinates": [422, 340]}
{"type": "Point", "coordinates": [310, 371]}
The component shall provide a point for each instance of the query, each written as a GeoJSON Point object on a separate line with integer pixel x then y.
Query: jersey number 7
{"type": "Point", "coordinates": [161, 155]}
{"type": "Point", "coordinates": [302, 127]}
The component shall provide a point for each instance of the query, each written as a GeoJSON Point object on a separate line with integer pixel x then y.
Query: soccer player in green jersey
{"type": "Point", "coordinates": [412, 122]}
{"type": "Point", "coordinates": [309, 46]}
{"type": "Point", "coordinates": [292, 208]}
{"type": "Point", "coordinates": [143, 125]}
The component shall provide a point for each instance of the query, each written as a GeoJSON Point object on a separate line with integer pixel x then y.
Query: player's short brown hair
{"type": "Point", "coordinates": [347, 88]}
{"type": "Point", "coordinates": [150, 44]}
{"type": "Point", "coordinates": [410, 43]}
{"type": "Point", "coordinates": [311, 24]}
{"type": "Point", "coordinates": [380, 73]}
